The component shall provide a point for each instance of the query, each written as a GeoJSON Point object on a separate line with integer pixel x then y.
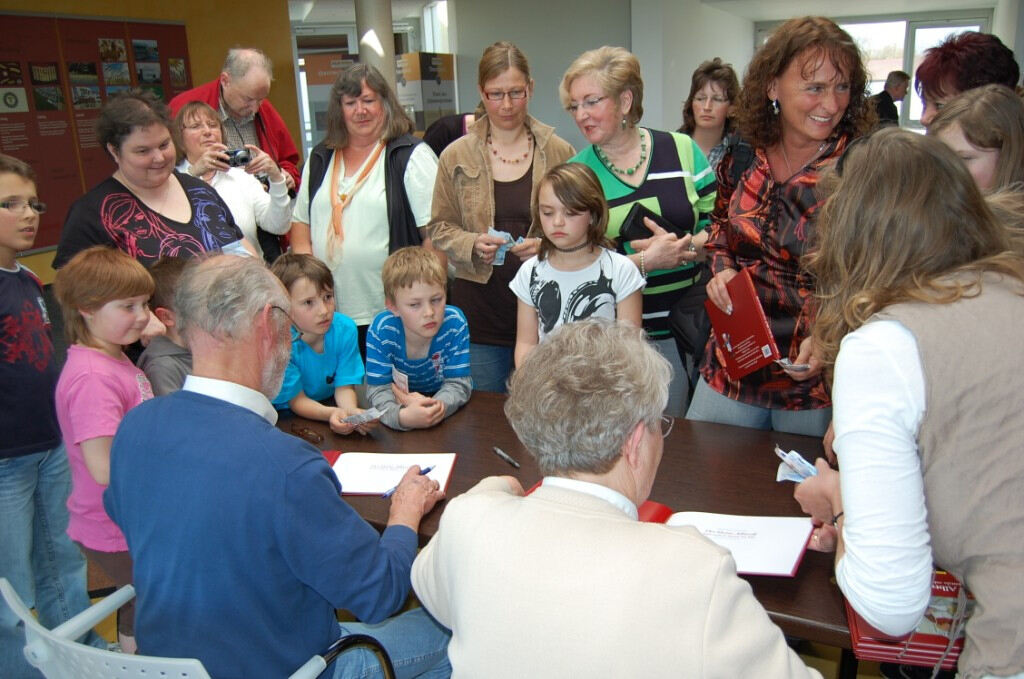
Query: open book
{"type": "Point", "coordinates": [377, 473]}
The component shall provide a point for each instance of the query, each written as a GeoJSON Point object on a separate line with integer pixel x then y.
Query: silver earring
{"type": "Point", "coordinates": [623, 122]}
{"type": "Point", "coordinates": [775, 106]}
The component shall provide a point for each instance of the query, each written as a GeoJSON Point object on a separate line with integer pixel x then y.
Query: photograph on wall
{"type": "Point", "coordinates": [85, 97]}
{"type": "Point", "coordinates": [11, 74]}
{"type": "Point", "coordinates": [112, 49]}
{"type": "Point", "coordinates": [83, 73]}
{"type": "Point", "coordinates": [43, 73]}
{"type": "Point", "coordinates": [114, 89]}
{"type": "Point", "coordinates": [176, 70]}
{"type": "Point", "coordinates": [48, 98]}
{"type": "Point", "coordinates": [13, 100]}
{"type": "Point", "coordinates": [147, 72]}
{"type": "Point", "coordinates": [117, 73]}
{"type": "Point", "coordinates": [145, 50]}
{"type": "Point", "coordinates": [155, 89]}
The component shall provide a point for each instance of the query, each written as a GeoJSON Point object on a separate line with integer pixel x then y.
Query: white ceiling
{"type": "Point", "coordinates": [773, 10]}
{"type": "Point", "coordinates": [344, 11]}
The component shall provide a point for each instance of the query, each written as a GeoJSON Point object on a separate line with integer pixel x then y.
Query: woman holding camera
{"type": "Point", "coordinates": [145, 208]}
{"type": "Point", "coordinates": [198, 137]}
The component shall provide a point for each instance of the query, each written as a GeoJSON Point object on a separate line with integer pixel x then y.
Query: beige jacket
{"type": "Point", "coordinates": [463, 204]}
{"type": "Point", "coordinates": [564, 584]}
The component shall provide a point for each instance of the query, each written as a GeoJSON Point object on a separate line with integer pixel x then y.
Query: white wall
{"type": "Point", "coordinates": [671, 38]}
{"type": "Point", "coordinates": [550, 32]}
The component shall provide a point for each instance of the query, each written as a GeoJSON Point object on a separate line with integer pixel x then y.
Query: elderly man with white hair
{"type": "Point", "coordinates": [566, 581]}
{"type": "Point", "coordinates": [242, 545]}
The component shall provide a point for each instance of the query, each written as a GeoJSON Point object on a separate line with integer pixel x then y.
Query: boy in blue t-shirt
{"type": "Point", "coordinates": [45, 568]}
{"type": "Point", "coordinates": [417, 352]}
{"type": "Point", "coordinates": [325, 359]}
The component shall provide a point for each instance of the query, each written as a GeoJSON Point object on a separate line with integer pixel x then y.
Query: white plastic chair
{"type": "Point", "coordinates": [57, 655]}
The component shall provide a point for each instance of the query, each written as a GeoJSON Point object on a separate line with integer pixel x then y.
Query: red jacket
{"type": "Point", "coordinates": [270, 128]}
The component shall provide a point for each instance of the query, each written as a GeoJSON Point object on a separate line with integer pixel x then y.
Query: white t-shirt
{"type": "Point", "coordinates": [878, 400]}
{"type": "Point", "coordinates": [357, 262]}
{"type": "Point", "coordinates": [566, 296]}
{"type": "Point", "coordinates": [251, 205]}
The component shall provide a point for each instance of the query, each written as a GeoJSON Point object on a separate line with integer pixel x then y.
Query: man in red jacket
{"type": "Point", "coordinates": [240, 96]}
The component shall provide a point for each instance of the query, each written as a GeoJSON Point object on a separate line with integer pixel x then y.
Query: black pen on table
{"type": "Point", "coordinates": [505, 456]}
{"type": "Point", "coordinates": [423, 472]}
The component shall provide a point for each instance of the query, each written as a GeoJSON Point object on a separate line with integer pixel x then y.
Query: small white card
{"type": "Point", "coordinates": [400, 379]}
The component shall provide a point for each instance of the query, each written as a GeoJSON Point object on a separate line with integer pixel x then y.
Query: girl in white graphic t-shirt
{"type": "Point", "coordinates": [576, 274]}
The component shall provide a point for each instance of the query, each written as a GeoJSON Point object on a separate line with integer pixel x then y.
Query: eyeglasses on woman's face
{"type": "Point", "coordinates": [17, 205]}
{"type": "Point", "coordinates": [499, 95]}
{"type": "Point", "coordinates": [586, 104]}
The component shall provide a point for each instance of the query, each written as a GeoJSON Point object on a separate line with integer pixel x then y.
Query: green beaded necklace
{"type": "Point", "coordinates": [629, 170]}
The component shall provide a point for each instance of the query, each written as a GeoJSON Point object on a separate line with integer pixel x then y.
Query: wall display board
{"type": "Point", "coordinates": [426, 86]}
{"type": "Point", "coordinates": [55, 75]}
{"type": "Point", "coordinates": [321, 72]}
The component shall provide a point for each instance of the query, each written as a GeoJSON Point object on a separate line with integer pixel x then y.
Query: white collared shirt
{"type": "Point", "coordinates": [605, 493]}
{"type": "Point", "coordinates": [234, 393]}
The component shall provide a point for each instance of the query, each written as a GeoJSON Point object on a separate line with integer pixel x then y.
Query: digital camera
{"type": "Point", "coordinates": [238, 157]}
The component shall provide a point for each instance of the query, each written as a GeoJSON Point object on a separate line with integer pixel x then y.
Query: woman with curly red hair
{"type": "Point", "coordinates": [803, 100]}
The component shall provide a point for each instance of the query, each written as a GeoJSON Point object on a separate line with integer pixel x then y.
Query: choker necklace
{"type": "Point", "coordinates": [629, 170]}
{"type": "Point", "coordinates": [512, 161]}
{"type": "Point", "coordinates": [575, 248]}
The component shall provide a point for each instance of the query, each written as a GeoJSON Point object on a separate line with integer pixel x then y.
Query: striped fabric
{"type": "Point", "coordinates": [448, 356]}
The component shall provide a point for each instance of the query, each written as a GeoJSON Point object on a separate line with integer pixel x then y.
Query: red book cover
{"type": "Point", "coordinates": [744, 338]}
{"type": "Point", "coordinates": [926, 644]}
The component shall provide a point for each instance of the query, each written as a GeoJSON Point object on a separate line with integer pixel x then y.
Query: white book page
{"type": "Point", "coordinates": [377, 473]}
{"type": "Point", "coordinates": [760, 545]}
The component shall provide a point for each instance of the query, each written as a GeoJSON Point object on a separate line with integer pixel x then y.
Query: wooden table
{"type": "Point", "coordinates": [705, 467]}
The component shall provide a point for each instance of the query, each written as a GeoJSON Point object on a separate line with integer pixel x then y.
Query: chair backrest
{"type": "Point", "coordinates": [57, 655]}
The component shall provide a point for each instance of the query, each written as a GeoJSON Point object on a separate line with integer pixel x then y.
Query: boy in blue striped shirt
{"type": "Point", "coordinates": [417, 351]}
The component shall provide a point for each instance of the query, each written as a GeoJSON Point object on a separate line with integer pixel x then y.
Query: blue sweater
{"type": "Point", "coordinates": [242, 545]}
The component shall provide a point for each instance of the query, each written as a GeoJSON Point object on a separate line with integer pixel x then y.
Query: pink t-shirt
{"type": "Point", "coordinates": [93, 394]}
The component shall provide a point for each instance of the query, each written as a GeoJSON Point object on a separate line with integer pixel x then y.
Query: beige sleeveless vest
{"type": "Point", "coordinates": [971, 444]}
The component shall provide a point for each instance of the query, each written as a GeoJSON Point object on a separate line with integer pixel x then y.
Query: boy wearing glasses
{"type": "Point", "coordinates": [36, 555]}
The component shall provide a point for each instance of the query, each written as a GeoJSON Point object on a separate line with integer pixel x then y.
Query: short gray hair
{"type": "Point", "coordinates": [896, 78]}
{"type": "Point", "coordinates": [221, 295]}
{"type": "Point", "coordinates": [240, 59]}
{"type": "Point", "coordinates": [578, 395]}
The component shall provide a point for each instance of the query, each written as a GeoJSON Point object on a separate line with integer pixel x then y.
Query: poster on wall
{"type": "Point", "coordinates": [112, 49]}
{"type": "Point", "coordinates": [13, 97]}
{"type": "Point", "coordinates": [321, 72]}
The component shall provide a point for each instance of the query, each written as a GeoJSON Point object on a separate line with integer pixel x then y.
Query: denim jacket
{"type": "Point", "coordinates": [463, 205]}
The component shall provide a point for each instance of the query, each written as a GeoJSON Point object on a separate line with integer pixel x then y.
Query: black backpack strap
{"type": "Point", "coordinates": [317, 170]}
{"type": "Point", "coordinates": [402, 223]}
{"type": "Point", "coordinates": [742, 158]}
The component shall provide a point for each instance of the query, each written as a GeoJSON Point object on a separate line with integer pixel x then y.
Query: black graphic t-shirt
{"type": "Point", "coordinates": [28, 371]}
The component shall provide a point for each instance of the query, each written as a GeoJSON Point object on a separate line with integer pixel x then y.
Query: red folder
{"type": "Point", "coordinates": [926, 644]}
{"type": "Point", "coordinates": [744, 338]}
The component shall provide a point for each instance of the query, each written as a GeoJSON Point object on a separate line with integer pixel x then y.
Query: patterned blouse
{"type": "Point", "coordinates": [765, 226]}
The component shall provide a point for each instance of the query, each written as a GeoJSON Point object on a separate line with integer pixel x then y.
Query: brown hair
{"type": "Point", "coordinates": [12, 165]}
{"type": "Point", "coordinates": [350, 84]}
{"type": "Point", "coordinates": [812, 36]}
{"type": "Point", "coordinates": [990, 117]}
{"type": "Point", "coordinates": [616, 69]}
{"type": "Point", "coordinates": [190, 112]}
{"type": "Point", "coordinates": [718, 73]}
{"type": "Point", "coordinates": [577, 188]}
{"type": "Point", "coordinates": [291, 266]}
{"type": "Point", "coordinates": [904, 214]}
{"type": "Point", "coordinates": [92, 278]}
{"type": "Point", "coordinates": [498, 58]}
{"type": "Point", "coordinates": [128, 111]}
{"type": "Point", "coordinates": [166, 272]}
{"type": "Point", "coordinates": [410, 265]}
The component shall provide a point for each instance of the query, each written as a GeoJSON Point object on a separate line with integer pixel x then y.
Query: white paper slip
{"type": "Point", "coordinates": [760, 545]}
{"type": "Point", "coordinates": [377, 473]}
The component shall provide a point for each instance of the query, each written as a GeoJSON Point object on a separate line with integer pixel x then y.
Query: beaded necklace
{"type": "Point", "coordinates": [512, 161]}
{"type": "Point", "coordinates": [629, 170]}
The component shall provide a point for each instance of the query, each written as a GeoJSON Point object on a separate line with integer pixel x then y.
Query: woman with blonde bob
{"type": "Point", "coordinates": [985, 127]}
{"type": "Point", "coordinates": [921, 314]}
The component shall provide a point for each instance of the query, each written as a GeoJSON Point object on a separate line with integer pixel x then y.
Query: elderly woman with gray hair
{"type": "Point", "coordinates": [552, 584]}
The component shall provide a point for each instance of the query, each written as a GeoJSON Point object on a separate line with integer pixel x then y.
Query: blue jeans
{"type": "Point", "coordinates": [679, 387]}
{"type": "Point", "coordinates": [490, 366]}
{"type": "Point", "coordinates": [36, 555]}
{"type": "Point", "coordinates": [710, 406]}
{"type": "Point", "coordinates": [417, 644]}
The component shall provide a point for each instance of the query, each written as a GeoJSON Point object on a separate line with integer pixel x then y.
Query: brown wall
{"type": "Point", "coordinates": [212, 27]}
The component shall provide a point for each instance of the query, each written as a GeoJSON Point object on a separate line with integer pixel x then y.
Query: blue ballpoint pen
{"type": "Point", "coordinates": [423, 472]}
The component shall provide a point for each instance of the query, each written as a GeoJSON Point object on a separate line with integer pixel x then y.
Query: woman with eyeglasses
{"type": "Point", "coordinates": [803, 100]}
{"type": "Point", "coordinates": [708, 110]}
{"type": "Point", "coordinates": [199, 137]}
{"type": "Point", "coordinates": [666, 172]}
{"type": "Point", "coordinates": [145, 208]}
{"type": "Point", "coordinates": [923, 341]}
{"type": "Point", "coordinates": [485, 181]}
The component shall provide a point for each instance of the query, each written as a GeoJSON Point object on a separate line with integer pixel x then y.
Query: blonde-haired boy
{"type": "Point", "coordinates": [417, 351]}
